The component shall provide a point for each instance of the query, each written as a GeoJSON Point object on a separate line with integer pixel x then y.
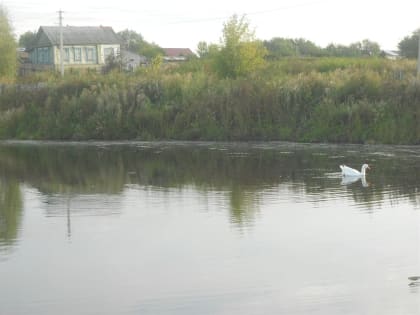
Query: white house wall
{"type": "Point", "coordinates": [99, 57]}
{"type": "Point", "coordinates": [72, 52]}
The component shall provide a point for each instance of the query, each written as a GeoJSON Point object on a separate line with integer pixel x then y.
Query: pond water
{"type": "Point", "coordinates": [207, 228]}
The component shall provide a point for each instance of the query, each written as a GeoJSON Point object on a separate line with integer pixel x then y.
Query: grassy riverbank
{"type": "Point", "coordinates": [311, 100]}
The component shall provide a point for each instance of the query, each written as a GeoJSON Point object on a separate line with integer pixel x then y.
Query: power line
{"type": "Point", "coordinates": [31, 8]}
{"type": "Point", "coordinates": [252, 13]}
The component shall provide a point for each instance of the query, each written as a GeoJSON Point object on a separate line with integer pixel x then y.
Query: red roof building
{"type": "Point", "coordinates": [177, 54]}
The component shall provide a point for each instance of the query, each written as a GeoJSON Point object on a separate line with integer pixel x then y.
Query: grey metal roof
{"type": "Point", "coordinates": [78, 35]}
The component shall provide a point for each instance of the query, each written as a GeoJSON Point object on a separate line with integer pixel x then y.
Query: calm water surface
{"type": "Point", "coordinates": [207, 228]}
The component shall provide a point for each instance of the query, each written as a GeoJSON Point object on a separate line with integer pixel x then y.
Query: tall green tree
{"type": "Point", "coordinates": [409, 46]}
{"type": "Point", "coordinates": [27, 39]}
{"type": "Point", "coordinates": [240, 53]}
{"type": "Point", "coordinates": [8, 58]}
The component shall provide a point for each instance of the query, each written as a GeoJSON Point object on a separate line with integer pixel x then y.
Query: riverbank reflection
{"type": "Point", "coordinates": [90, 178]}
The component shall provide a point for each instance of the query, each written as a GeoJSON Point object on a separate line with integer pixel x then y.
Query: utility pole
{"type": "Point", "coordinates": [418, 59]}
{"type": "Point", "coordinates": [60, 18]}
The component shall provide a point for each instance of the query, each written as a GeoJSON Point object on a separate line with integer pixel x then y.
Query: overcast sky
{"type": "Point", "coordinates": [183, 23]}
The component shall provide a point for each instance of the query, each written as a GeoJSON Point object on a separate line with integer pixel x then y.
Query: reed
{"type": "Point", "coordinates": [316, 100]}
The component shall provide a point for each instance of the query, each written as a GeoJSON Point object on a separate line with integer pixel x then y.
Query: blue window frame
{"type": "Point", "coordinates": [43, 55]}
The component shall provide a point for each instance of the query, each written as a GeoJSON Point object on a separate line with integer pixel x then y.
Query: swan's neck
{"type": "Point", "coordinates": [363, 171]}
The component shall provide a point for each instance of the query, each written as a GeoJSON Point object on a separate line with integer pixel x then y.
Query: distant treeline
{"type": "Point", "coordinates": [286, 47]}
{"type": "Point", "coordinates": [364, 100]}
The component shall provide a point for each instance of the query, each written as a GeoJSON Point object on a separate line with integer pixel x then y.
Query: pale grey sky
{"type": "Point", "coordinates": [183, 23]}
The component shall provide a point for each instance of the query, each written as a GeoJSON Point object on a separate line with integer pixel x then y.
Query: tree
{"type": "Point", "coordinates": [337, 50]}
{"type": "Point", "coordinates": [202, 49]}
{"type": "Point", "coordinates": [370, 48]}
{"type": "Point", "coordinates": [131, 40]}
{"type": "Point", "coordinates": [240, 53]}
{"type": "Point", "coordinates": [307, 48]}
{"type": "Point", "coordinates": [8, 59]}
{"type": "Point", "coordinates": [280, 47]}
{"type": "Point", "coordinates": [135, 43]}
{"type": "Point", "coordinates": [151, 50]}
{"type": "Point", "coordinates": [205, 50]}
{"type": "Point", "coordinates": [409, 46]}
{"type": "Point", "coordinates": [27, 39]}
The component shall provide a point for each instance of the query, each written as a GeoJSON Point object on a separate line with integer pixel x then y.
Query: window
{"type": "Point", "coordinates": [90, 54]}
{"type": "Point", "coordinates": [77, 54]}
{"type": "Point", "coordinates": [66, 54]}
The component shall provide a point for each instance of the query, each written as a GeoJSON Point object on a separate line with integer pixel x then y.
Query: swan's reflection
{"type": "Point", "coordinates": [347, 180]}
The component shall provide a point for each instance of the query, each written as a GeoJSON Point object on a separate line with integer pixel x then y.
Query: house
{"type": "Point", "coordinates": [132, 61]}
{"type": "Point", "coordinates": [83, 47]}
{"type": "Point", "coordinates": [177, 54]}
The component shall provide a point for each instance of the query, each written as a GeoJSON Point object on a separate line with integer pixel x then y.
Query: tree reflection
{"type": "Point", "coordinates": [243, 206]}
{"type": "Point", "coordinates": [10, 212]}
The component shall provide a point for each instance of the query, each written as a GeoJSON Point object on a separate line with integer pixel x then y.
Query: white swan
{"type": "Point", "coordinates": [348, 171]}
